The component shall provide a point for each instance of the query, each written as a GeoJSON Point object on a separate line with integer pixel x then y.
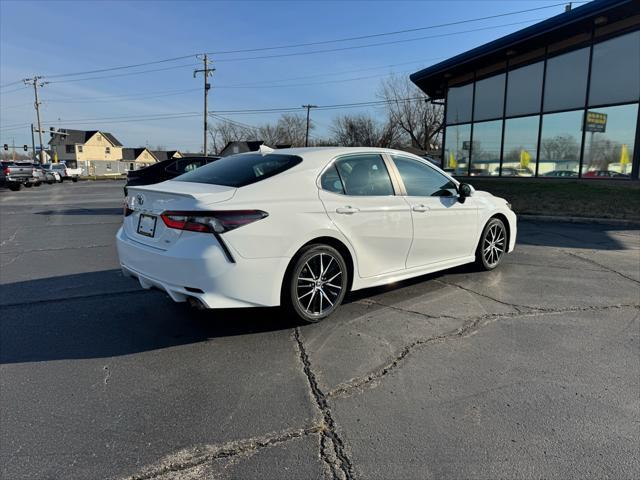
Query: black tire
{"type": "Point", "coordinates": [74, 179]}
{"type": "Point", "coordinates": [492, 245]}
{"type": "Point", "coordinates": [37, 184]}
{"type": "Point", "coordinates": [318, 273]}
{"type": "Point", "coordinates": [28, 185]}
{"type": "Point", "coordinates": [14, 187]}
{"type": "Point", "coordinates": [59, 181]}
{"type": "Point", "coordinates": [49, 182]}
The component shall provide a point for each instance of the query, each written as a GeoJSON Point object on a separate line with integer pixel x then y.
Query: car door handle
{"type": "Point", "coordinates": [420, 208]}
{"type": "Point", "coordinates": [348, 210]}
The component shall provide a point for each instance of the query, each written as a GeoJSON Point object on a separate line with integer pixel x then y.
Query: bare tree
{"type": "Point", "coordinates": [560, 147]}
{"type": "Point", "coordinates": [362, 130]}
{"type": "Point", "coordinates": [420, 121]}
{"type": "Point", "coordinates": [225, 131]}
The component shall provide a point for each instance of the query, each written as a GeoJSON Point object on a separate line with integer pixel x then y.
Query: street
{"type": "Point", "coordinates": [528, 371]}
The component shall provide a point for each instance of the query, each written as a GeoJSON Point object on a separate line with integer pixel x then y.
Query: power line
{"type": "Point", "coordinates": [122, 98]}
{"type": "Point", "coordinates": [391, 42]}
{"type": "Point", "coordinates": [122, 67]}
{"type": "Point", "coordinates": [397, 32]}
{"type": "Point", "coordinates": [191, 65]}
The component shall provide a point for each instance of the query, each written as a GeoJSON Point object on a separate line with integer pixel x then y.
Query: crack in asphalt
{"type": "Point", "coordinates": [332, 449]}
{"type": "Point", "coordinates": [516, 306]}
{"type": "Point", "coordinates": [603, 267]}
{"type": "Point", "coordinates": [369, 301]}
{"type": "Point", "coordinates": [182, 462]}
{"type": "Point", "coordinates": [469, 328]}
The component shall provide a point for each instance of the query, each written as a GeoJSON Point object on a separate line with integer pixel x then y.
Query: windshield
{"type": "Point", "coordinates": [240, 170]}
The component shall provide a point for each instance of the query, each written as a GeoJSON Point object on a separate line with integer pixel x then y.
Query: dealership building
{"type": "Point", "coordinates": [557, 99]}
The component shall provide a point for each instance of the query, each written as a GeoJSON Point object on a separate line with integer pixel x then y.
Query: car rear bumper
{"type": "Point", "coordinates": [203, 272]}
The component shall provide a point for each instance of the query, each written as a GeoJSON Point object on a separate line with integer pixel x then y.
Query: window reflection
{"type": "Point", "coordinates": [524, 90]}
{"type": "Point", "coordinates": [489, 98]}
{"type": "Point", "coordinates": [615, 72]}
{"type": "Point", "coordinates": [459, 101]}
{"type": "Point", "coordinates": [485, 155]}
{"type": "Point", "coordinates": [456, 149]}
{"type": "Point", "coordinates": [560, 144]}
{"type": "Point", "coordinates": [520, 147]}
{"type": "Point", "coordinates": [609, 141]}
{"type": "Point", "coordinates": [566, 83]}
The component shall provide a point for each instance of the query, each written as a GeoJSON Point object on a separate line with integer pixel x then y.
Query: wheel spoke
{"type": "Point", "coordinates": [333, 278]}
{"type": "Point", "coordinates": [325, 296]}
{"type": "Point", "coordinates": [326, 270]}
{"type": "Point", "coordinates": [308, 293]}
{"type": "Point", "coordinates": [311, 300]}
{"type": "Point", "coordinates": [333, 286]}
{"type": "Point", "coordinates": [310, 271]}
{"type": "Point", "coordinates": [302, 279]}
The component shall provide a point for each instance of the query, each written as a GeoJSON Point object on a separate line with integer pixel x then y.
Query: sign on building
{"type": "Point", "coordinates": [596, 122]}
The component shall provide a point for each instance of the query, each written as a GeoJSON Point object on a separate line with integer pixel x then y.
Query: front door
{"type": "Point", "coordinates": [359, 197]}
{"type": "Point", "coordinates": [444, 228]}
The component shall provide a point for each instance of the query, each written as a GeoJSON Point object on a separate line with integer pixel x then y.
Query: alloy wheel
{"type": "Point", "coordinates": [494, 244]}
{"type": "Point", "coordinates": [319, 284]}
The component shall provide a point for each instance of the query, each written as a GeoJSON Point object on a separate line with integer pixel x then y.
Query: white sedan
{"type": "Point", "coordinates": [302, 227]}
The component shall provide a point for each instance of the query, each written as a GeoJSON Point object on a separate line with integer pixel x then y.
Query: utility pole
{"type": "Point", "coordinates": [33, 145]}
{"type": "Point", "coordinates": [35, 81]}
{"type": "Point", "coordinates": [206, 71]}
{"type": "Point", "coordinates": [306, 137]}
{"type": "Point", "coordinates": [13, 147]}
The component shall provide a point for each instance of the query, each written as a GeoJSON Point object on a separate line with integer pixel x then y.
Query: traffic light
{"type": "Point", "coordinates": [25, 148]}
{"type": "Point", "coordinates": [6, 147]}
{"type": "Point", "coordinates": [52, 131]}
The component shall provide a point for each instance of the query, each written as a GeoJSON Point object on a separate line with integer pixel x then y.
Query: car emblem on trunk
{"type": "Point", "coordinates": [140, 199]}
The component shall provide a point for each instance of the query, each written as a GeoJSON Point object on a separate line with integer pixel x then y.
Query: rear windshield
{"type": "Point", "coordinates": [240, 170]}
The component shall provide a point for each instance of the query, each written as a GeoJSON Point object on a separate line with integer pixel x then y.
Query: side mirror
{"type": "Point", "coordinates": [464, 190]}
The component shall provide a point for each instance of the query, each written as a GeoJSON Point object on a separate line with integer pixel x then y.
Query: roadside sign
{"type": "Point", "coordinates": [596, 122]}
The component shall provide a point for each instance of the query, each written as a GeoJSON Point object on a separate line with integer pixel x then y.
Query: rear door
{"type": "Point", "coordinates": [359, 197]}
{"type": "Point", "coordinates": [444, 228]}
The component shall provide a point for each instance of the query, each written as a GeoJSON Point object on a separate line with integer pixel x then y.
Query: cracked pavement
{"type": "Point", "coordinates": [529, 371]}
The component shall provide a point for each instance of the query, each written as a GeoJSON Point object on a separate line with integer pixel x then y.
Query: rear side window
{"type": "Point", "coordinates": [365, 175]}
{"type": "Point", "coordinates": [240, 170]}
{"type": "Point", "coordinates": [331, 181]}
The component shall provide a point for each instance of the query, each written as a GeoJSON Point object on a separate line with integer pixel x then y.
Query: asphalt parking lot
{"type": "Point", "coordinates": [529, 371]}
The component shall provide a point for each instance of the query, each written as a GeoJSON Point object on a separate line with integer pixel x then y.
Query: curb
{"type": "Point", "coordinates": [587, 220]}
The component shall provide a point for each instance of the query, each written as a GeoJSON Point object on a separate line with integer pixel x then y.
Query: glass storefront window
{"type": "Point", "coordinates": [566, 83]}
{"type": "Point", "coordinates": [456, 149]}
{"type": "Point", "coordinates": [524, 89]}
{"type": "Point", "coordinates": [615, 70]}
{"type": "Point", "coordinates": [459, 100]}
{"type": "Point", "coordinates": [489, 98]}
{"type": "Point", "coordinates": [520, 147]}
{"type": "Point", "coordinates": [485, 154]}
{"type": "Point", "coordinates": [609, 142]}
{"type": "Point", "coordinates": [560, 144]}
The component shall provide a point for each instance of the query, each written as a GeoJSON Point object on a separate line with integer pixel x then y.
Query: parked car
{"type": "Point", "coordinates": [513, 172]}
{"type": "Point", "coordinates": [604, 174]}
{"type": "Point", "coordinates": [41, 175]}
{"type": "Point", "coordinates": [165, 170]}
{"type": "Point", "coordinates": [16, 176]}
{"type": "Point", "coordinates": [300, 227]}
{"type": "Point", "coordinates": [48, 168]}
{"type": "Point", "coordinates": [561, 173]}
{"type": "Point", "coordinates": [65, 172]}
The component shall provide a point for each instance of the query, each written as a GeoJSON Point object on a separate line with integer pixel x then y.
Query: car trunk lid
{"type": "Point", "coordinates": [145, 225]}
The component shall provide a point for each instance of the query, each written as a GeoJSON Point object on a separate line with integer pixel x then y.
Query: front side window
{"type": "Point", "coordinates": [241, 170]}
{"type": "Point", "coordinates": [365, 175]}
{"type": "Point", "coordinates": [420, 180]}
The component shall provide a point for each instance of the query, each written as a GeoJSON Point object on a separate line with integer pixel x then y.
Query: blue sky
{"type": "Point", "coordinates": [48, 38]}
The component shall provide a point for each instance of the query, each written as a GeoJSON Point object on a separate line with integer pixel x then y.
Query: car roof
{"type": "Point", "coordinates": [317, 157]}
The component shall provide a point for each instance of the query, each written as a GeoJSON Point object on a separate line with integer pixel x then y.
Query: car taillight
{"type": "Point", "coordinates": [211, 222]}
{"type": "Point", "coordinates": [6, 170]}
